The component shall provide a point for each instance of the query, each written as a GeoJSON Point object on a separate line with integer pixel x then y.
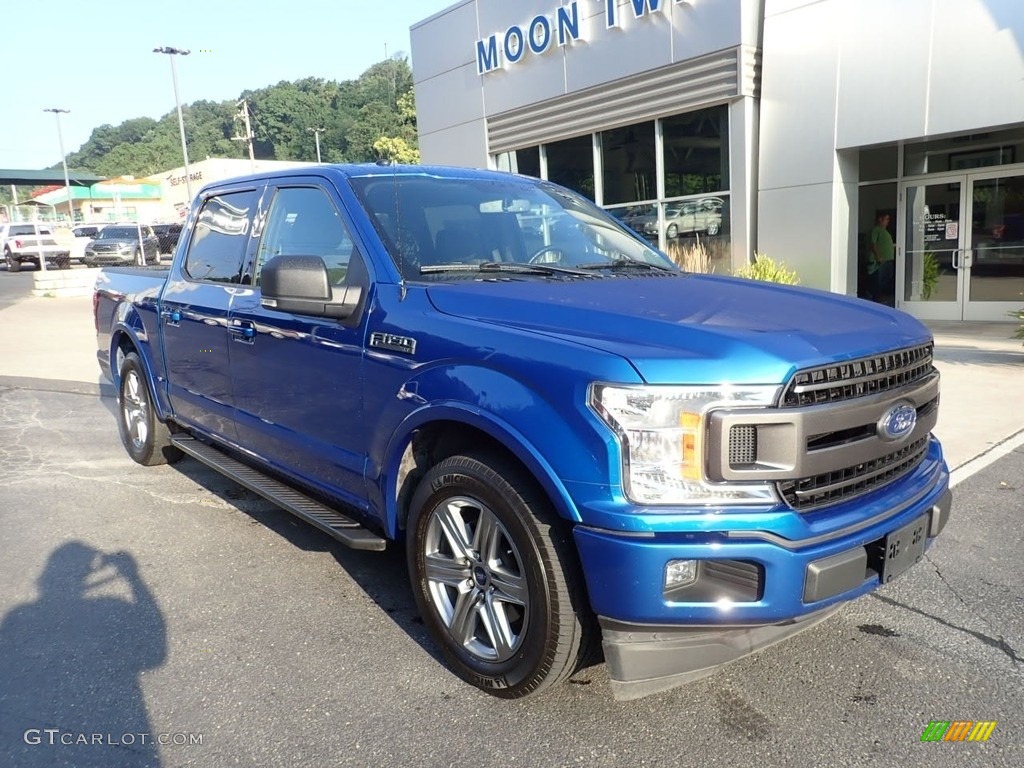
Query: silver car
{"type": "Point", "coordinates": [123, 244]}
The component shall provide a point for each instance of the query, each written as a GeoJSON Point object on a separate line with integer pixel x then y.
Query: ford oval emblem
{"type": "Point", "coordinates": [897, 423]}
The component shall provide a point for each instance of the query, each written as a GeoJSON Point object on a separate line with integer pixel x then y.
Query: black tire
{"type": "Point", "coordinates": [63, 262]}
{"type": "Point", "coordinates": [13, 265]}
{"type": "Point", "coordinates": [529, 589]}
{"type": "Point", "coordinates": [146, 439]}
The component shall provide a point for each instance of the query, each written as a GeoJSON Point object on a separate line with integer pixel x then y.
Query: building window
{"type": "Point", "coordinates": [524, 161]}
{"type": "Point", "coordinates": [697, 152]}
{"type": "Point", "coordinates": [961, 154]}
{"type": "Point", "coordinates": [629, 171]}
{"type": "Point", "coordinates": [571, 164]}
{"type": "Point", "coordinates": [877, 211]}
{"type": "Point", "coordinates": [879, 164]}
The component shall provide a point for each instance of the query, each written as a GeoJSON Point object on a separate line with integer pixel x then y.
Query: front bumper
{"type": "Point", "coordinates": [754, 588]}
{"type": "Point", "coordinates": [109, 259]}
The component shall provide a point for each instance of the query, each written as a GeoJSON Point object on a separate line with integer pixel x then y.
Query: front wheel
{"type": "Point", "coordinates": [146, 439]}
{"type": "Point", "coordinates": [495, 577]}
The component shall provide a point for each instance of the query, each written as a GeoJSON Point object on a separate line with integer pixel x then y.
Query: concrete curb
{"type": "Point", "coordinates": [64, 282]}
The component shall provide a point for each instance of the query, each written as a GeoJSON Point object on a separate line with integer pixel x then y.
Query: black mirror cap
{"type": "Point", "coordinates": [300, 284]}
{"type": "Point", "coordinates": [295, 277]}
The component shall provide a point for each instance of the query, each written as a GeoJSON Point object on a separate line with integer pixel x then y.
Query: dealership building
{"type": "Point", "coordinates": [802, 129]}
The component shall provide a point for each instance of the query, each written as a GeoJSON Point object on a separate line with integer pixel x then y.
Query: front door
{"type": "Point", "coordinates": [961, 246]}
{"type": "Point", "coordinates": [995, 245]}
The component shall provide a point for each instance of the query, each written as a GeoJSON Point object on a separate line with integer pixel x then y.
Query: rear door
{"type": "Point", "coordinates": [194, 309]}
{"type": "Point", "coordinates": [297, 379]}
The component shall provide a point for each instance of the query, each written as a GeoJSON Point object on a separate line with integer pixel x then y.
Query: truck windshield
{"type": "Point", "coordinates": [435, 227]}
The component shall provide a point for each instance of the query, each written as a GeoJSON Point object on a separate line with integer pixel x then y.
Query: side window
{"type": "Point", "coordinates": [303, 221]}
{"type": "Point", "coordinates": [218, 241]}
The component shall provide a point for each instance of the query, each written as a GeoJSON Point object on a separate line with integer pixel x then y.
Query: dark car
{"type": "Point", "coordinates": [123, 244]}
{"type": "Point", "coordinates": [86, 230]}
{"type": "Point", "coordinates": [168, 234]}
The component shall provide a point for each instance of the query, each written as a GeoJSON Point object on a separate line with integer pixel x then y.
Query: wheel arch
{"type": "Point", "coordinates": [124, 339]}
{"type": "Point", "coordinates": [429, 436]}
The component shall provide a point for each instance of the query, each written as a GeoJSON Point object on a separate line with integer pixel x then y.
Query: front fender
{"type": "Point", "coordinates": [505, 409]}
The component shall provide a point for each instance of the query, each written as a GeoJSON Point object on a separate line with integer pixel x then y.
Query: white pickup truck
{"type": "Point", "coordinates": [25, 242]}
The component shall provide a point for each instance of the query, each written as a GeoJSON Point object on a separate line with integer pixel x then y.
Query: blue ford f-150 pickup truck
{"type": "Point", "coordinates": [575, 442]}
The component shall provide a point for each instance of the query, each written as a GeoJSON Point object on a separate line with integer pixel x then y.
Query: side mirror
{"type": "Point", "coordinates": [299, 284]}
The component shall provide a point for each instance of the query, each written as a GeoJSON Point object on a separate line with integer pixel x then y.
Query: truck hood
{"type": "Point", "coordinates": [692, 329]}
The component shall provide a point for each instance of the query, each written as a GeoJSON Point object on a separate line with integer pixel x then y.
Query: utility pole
{"type": "Point", "coordinates": [64, 161]}
{"type": "Point", "coordinates": [243, 115]}
{"type": "Point", "coordinates": [316, 133]}
{"type": "Point", "coordinates": [171, 53]}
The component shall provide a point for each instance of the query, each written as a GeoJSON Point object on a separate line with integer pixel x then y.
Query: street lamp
{"type": "Point", "coordinates": [316, 132]}
{"type": "Point", "coordinates": [172, 52]}
{"type": "Point", "coordinates": [67, 181]}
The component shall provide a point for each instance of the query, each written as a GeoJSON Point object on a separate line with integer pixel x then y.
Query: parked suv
{"type": "Point", "coordinates": [168, 234]}
{"type": "Point", "coordinates": [23, 243]}
{"type": "Point", "coordinates": [123, 244]}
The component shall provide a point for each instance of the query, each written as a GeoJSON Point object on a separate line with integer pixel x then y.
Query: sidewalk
{"type": "Point", "coordinates": [982, 368]}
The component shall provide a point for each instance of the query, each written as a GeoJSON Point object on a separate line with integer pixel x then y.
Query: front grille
{"type": "Point", "coordinates": [857, 378]}
{"type": "Point", "coordinates": [830, 487]}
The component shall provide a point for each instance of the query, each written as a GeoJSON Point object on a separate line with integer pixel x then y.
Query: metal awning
{"type": "Point", "coordinates": [24, 178]}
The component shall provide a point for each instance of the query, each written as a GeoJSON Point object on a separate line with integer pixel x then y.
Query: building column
{"type": "Point", "coordinates": [743, 174]}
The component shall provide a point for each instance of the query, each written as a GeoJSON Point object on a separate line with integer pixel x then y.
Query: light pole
{"type": "Point", "coordinates": [316, 132]}
{"type": "Point", "coordinates": [67, 181]}
{"type": "Point", "coordinates": [172, 52]}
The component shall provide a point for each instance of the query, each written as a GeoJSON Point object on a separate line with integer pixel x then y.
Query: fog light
{"type": "Point", "coordinates": [679, 573]}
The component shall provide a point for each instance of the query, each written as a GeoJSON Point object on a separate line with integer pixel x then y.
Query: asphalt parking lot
{"type": "Point", "coordinates": [169, 601]}
{"type": "Point", "coordinates": [168, 604]}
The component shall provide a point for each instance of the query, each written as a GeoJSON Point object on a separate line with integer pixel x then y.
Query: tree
{"type": "Point", "coordinates": [369, 118]}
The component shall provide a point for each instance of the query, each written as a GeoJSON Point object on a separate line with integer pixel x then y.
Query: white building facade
{"type": "Point", "coordinates": [787, 127]}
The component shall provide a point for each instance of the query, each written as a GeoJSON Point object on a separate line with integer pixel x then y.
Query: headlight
{"type": "Point", "coordinates": [662, 432]}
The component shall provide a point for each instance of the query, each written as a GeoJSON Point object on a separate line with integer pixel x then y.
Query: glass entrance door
{"type": "Point", "coordinates": [995, 237]}
{"type": "Point", "coordinates": [961, 246]}
{"type": "Point", "coordinates": [931, 264]}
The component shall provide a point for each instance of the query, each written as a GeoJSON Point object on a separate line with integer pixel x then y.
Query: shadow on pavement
{"type": "Point", "coordinates": [70, 664]}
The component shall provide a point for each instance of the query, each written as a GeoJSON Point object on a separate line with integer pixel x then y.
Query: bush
{"type": "Point", "coordinates": [1019, 314]}
{"type": "Point", "coordinates": [767, 269]}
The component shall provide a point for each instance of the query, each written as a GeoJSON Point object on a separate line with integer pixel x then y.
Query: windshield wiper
{"type": "Point", "coordinates": [503, 266]}
{"type": "Point", "coordinates": [619, 264]}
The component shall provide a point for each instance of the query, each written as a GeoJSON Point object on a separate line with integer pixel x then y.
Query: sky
{"type": "Point", "coordinates": [96, 59]}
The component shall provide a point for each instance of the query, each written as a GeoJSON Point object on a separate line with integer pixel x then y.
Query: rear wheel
{"type": "Point", "coordinates": [13, 265]}
{"type": "Point", "coordinates": [146, 439]}
{"type": "Point", "coordinates": [495, 577]}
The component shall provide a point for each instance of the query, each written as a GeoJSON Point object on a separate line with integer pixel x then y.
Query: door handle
{"type": "Point", "coordinates": [242, 331]}
{"type": "Point", "coordinates": [171, 316]}
{"type": "Point", "coordinates": [956, 259]}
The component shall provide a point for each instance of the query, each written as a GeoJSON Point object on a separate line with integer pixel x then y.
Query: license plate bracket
{"type": "Point", "coordinates": [903, 548]}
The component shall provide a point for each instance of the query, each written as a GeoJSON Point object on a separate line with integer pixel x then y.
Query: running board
{"type": "Point", "coordinates": [333, 523]}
